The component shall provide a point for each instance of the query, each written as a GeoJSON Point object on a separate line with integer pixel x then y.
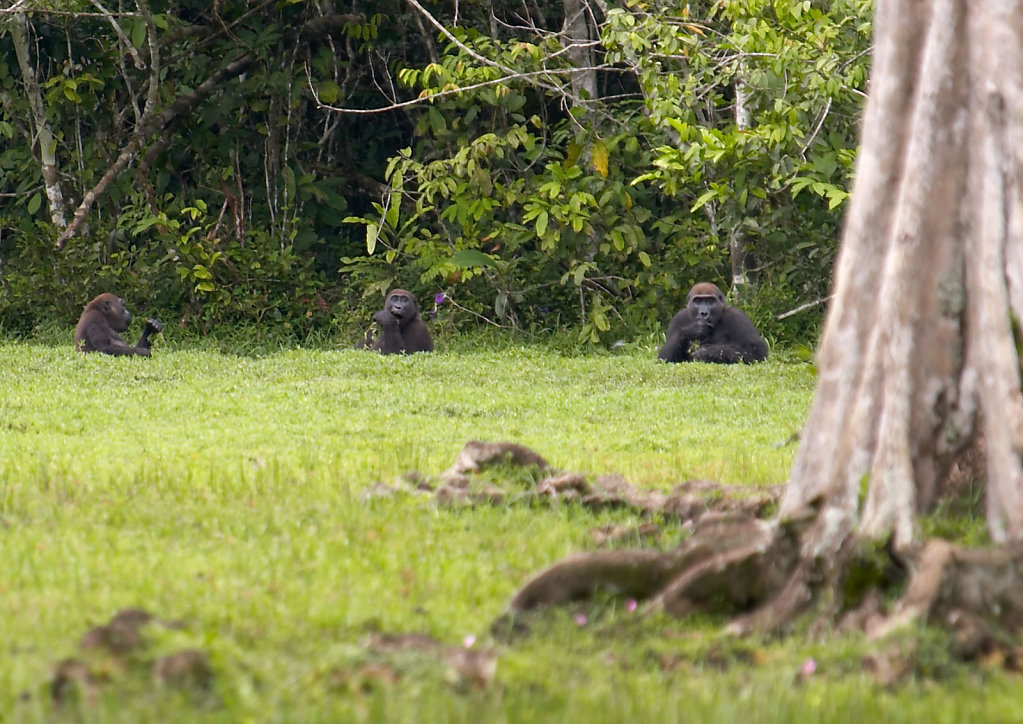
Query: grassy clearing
{"type": "Point", "coordinates": [229, 491]}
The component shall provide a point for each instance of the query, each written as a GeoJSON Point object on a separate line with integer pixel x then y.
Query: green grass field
{"type": "Point", "coordinates": [231, 493]}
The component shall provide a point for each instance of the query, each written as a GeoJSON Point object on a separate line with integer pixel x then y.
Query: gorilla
{"type": "Point", "coordinates": [722, 333]}
{"type": "Point", "coordinates": [402, 330]}
{"type": "Point", "coordinates": [100, 325]}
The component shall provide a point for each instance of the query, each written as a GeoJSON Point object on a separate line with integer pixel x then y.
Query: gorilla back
{"type": "Point", "coordinates": [718, 332]}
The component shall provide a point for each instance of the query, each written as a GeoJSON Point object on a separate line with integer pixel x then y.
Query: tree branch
{"type": "Point", "coordinates": [449, 92]}
{"type": "Point", "coordinates": [120, 33]}
{"type": "Point", "coordinates": [803, 307]}
{"type": "Point", "coordinates": [150, 125]}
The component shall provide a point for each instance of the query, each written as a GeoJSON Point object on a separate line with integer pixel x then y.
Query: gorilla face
{"type": "Point", "coordinates": [116, 312]}
{"type": "Point", "coordinates": [706, 309]}
{"type": "Point", "coordinates": [706, 302]}
{"type": "Point", "coordinates": [400, 305]}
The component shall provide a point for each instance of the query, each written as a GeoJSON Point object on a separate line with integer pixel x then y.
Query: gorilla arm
{"type": "Point", "coordinates": [733, 339]}
{"type": "Point", "coordinates": [390, 340]}
{"type": "Point", "coordinates": [152, 327]}
{"type": "Point", "coordinates": [101, 338]}
{"type": "Point", "coordinates": [683, 330]}
{"type": "Point", "coordinates": [416, 337]}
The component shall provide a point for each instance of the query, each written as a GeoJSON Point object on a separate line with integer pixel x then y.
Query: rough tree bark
{"type": "Point", "coordinates": [917, 360]}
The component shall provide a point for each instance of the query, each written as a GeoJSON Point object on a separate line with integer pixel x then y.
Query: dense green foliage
{"type": "Point", "coordinates": [230, 492]}
{"type": "Point", "coordinates": [528, 198]}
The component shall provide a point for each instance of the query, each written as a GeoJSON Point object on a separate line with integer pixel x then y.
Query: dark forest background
{"type": "Point", "coordinates": [547, 167]}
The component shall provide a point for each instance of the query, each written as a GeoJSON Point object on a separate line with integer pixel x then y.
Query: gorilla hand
{"type": "Point", "coordinates": [152, 327]}
{"type": "Point", "coordinates": [385, 319]}
{"type": "Point", "coordinates": [703, 328]}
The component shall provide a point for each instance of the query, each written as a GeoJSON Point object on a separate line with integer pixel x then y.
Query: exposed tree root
{"type": "Point", "coordinates": [636, 573]}
{"type": "Point", "coordinates": [731, 562]}
{"type": "Point", "coordinates": [477, 454]}
{"type": "Point", "coordinates": [754, 568]}
{"type": "Point", "coordinates": [978, 593]}
{"type": "Point", "coordinates": [465, 483]}
{"type": "Point", "coordinates": [765, 572]}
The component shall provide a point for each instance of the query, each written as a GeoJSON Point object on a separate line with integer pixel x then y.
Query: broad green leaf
{"type": "Point", "coordinates": [600, 158]}
{"type": "Point", "coordinates": [329, 91]}
{"type": "Point", "coordinates": [467, 258]}
{"type": "Point", "coordinates": [138, 32]}
{"type": "Point", "coordinates": [541, 223]}
{"type": "Point", "coordinates": [394, 201]}
{"type": "Point", "coordinates": [572, 154]}
{"type": "Point", "coordinates": [704, 198]}
{"type": "Point", "coordinates": [372, 232]}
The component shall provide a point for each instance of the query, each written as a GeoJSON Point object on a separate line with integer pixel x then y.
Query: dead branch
{"type": "Point", "coordinates": [803, 307]}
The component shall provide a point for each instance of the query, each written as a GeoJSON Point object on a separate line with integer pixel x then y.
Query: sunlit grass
{"type": "Point", "coordinates": [230, 492]}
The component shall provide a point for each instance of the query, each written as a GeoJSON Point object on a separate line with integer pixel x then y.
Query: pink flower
{"type": "Point", "coordinates": [630, 605]}
{"type": "Point", "coordinates": [468, 641]}
{"type": "Point", "coordinates": [809, 666]}
{"type": "Point", "coordinates": [580, 619]}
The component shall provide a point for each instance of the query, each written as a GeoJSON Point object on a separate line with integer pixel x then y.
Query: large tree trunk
{"type": "Point", "coordinates": [918, 346]}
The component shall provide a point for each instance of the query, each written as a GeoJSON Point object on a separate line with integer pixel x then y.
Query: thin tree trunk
{"type": "Point", "coordinates": [578, 35]}
{"type": "Point", "coordinates": [738, 247]}
{"type": "Point", "coordinates": [44, 140]}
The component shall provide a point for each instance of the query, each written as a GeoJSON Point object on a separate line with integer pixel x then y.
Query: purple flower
{"type": "Point", "coordinates": [440, 298]}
